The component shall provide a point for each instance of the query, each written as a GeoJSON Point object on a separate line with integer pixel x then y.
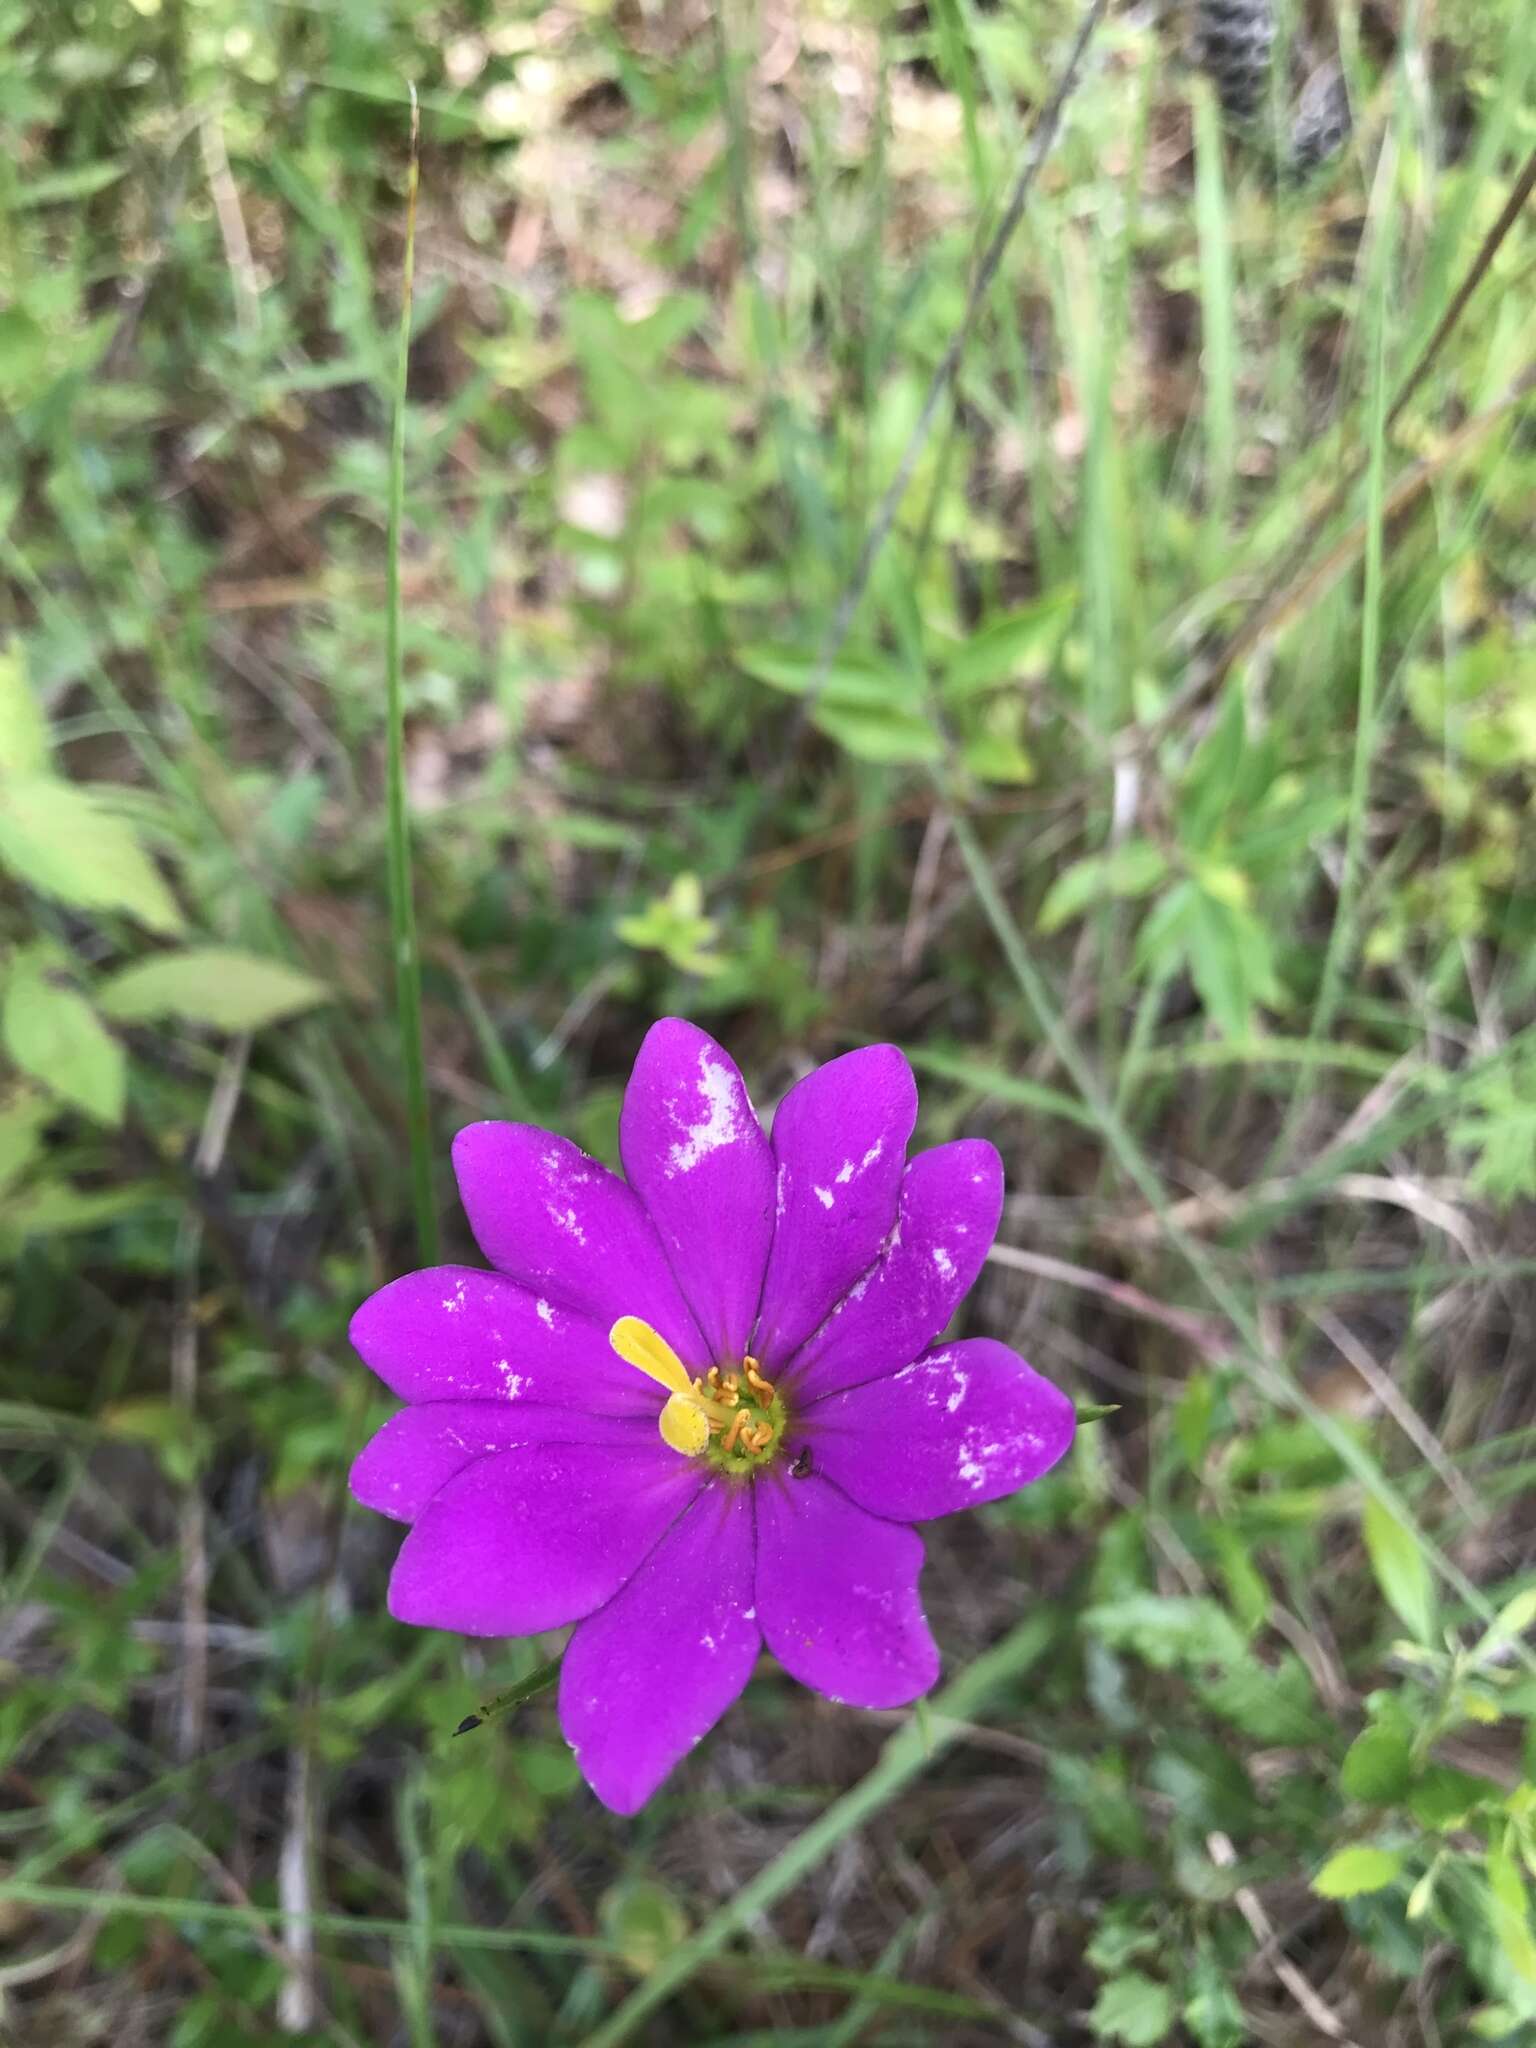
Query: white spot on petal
{"type": "Point", "coordinates": [825, 1196]}
{"type": "Point", "coordinates": [722, 1122]}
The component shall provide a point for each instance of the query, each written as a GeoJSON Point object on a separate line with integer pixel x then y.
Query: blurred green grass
{"type": "Point", "coordinates": [1168, 798]}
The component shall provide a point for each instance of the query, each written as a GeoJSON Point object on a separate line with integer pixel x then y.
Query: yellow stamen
{"type": "Point", "coordinates": [738, 1422]}
{"type": "Point", "coordinates": [761, 1387]}
{"type": "Point", "coordinates": [684, 1426]}
{"type": "Point", "coordinates": [641, 1346]}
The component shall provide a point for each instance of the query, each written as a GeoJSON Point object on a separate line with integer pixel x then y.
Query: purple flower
{"type": "Point", "coordinates": [694, 1414]}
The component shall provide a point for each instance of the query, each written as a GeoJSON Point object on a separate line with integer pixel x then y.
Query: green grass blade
{"type": "Point", "coordinates": [1218, 352]}
{"type": "Point", "coordinates": [402, 910]}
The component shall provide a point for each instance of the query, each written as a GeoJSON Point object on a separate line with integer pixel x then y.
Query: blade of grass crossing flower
{"type": "Point", "coordinates": [402, 910]}
{"type": "Point", "coordinates": [903, 1758]}
{"type": "Point", "coordinates": [515, 1696]}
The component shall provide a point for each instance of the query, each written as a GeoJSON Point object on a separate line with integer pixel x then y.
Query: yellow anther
{"type": "Point", "coordinates": [761, 1387]}
{"type": "Point", "coordinates": [641, 1346]}
{"type": "Point", "coordinates": [684, 1426]}
{"type": "Point", "coordinates": [738, 1422]}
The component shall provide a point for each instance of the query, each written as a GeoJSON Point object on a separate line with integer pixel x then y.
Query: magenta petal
{"type": "Point", "coordinates": [951, 1199]}
{"type": "Point", "coordinates": [963, 1425]}
{"type": "Point", "coordinates": [695, 1152]}
{"type": "Point", "coordinates": [456, 1333]}
{"type": "Point", "coordinates": [538, 1536]}
{"type": "Point", "coordinates": [650, 1674]}
{"type": "Point", "coordinates": [557, 1221]}
{"type": "Point", "coordinates": [839, 1144]}
{"type": "Point", "coordinates": [419, 1450]}
{"type": "Point", "coordinates": [837, 1595]}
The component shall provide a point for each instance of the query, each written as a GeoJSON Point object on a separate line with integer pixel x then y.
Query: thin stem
{"type": "Point", "coordinates": [402, 912]}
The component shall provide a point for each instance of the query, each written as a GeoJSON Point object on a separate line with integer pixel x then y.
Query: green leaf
{"type": "Point", "coordinates": [1004, 1086]}
{"type": "Point", "coordinates": [54, 1035]}
{"type": "Point", "coordinates": [79, 181]}
{"type": "Point", "coordinates": [1509, 1913]}
{"type": "Point", "coordinates": [1271, 1702]}
{"type": "Point", "coordinates": [179, 1439]}
{"type": "Point", "coordinates": [887, 735]}
{"type": "Point", "coordinates": [1210, 782]}
{"type": "Point", "coordinates": [1130, 870]}
{"type": "Point", "coordinates": [1161, 942]}
{"type": "Point", "coordinates": [1230, 962]}
{"type": "Point", "coordinates": [1247, 1588]}
{"type": "Point", "coordinates": [1170, 1632]}
{"type": "Point", "coordinates": [1133, 2009]}
{"type": "Point", "coordinates": [1124, 1933]}
{"type": "Point", "coordinates": [1512, 1619]}
{"type": "Point", "coordinates": [61, 841]}
{"type": "Point", "coordinates": [1350, 1872]}
{"type": "Point", "coordinates": [644, 1921]}
{"type": "Point", "coordinates": [22, 1121]}
{"type": "Point", "coordinates": [215, 985]}
{"type": "Point", "coordinates": [997, 757]}
{"type": "Point", "coordinates": [1212, 2012]}
{"type": "Point", "coordinates": [1495, 2023]}
{"type": "Point", "coordinates": [1378, 1766]}
{"type": "Point", "coordinates": [1445, 1796]}
{"type": "Point", "coordinates": [50, 1208]}
{"type": "Point", "coordinates": [1016, 643]}
{"type": "Point", "coordinates": [853, 680]}
{"type": "Point", "coordinates": [1400, 1568]}
{"type": "Point", "coordinates": [23, 728]}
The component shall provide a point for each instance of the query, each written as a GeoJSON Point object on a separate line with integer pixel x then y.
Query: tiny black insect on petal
{"type": "Point", "coordinates": [801, 1468]}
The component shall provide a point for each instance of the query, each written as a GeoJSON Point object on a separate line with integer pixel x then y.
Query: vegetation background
{"type": "Point", "coordinates": [1167, 792]}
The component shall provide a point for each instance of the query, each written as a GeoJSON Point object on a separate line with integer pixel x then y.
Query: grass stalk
{"type": "Point", "coordinates": [402, 909]}
{"type": "Point", "coordinates": [1218, 351]}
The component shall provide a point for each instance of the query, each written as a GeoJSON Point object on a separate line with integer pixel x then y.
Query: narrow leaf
{"type": "Point", "coordinates": [23, 729]}
{"type": "Point", "coordinates": [54, 1035]}
{"type": "Point", "coordinates": [1349, 1872]}
{"type": "Point", "coordinates": [1401, 1570]}
{"type": "Point", "coordinates": [61, 841]}
{"type": "Point", "coordinates": [215, 985]}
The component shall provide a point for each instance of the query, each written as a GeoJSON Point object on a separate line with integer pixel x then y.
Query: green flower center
{"type": "Point", "coordinates": [751, 1439]}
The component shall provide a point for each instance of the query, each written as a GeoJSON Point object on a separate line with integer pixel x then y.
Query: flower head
{"type": "Point", "coordinates": [694, 1412]}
